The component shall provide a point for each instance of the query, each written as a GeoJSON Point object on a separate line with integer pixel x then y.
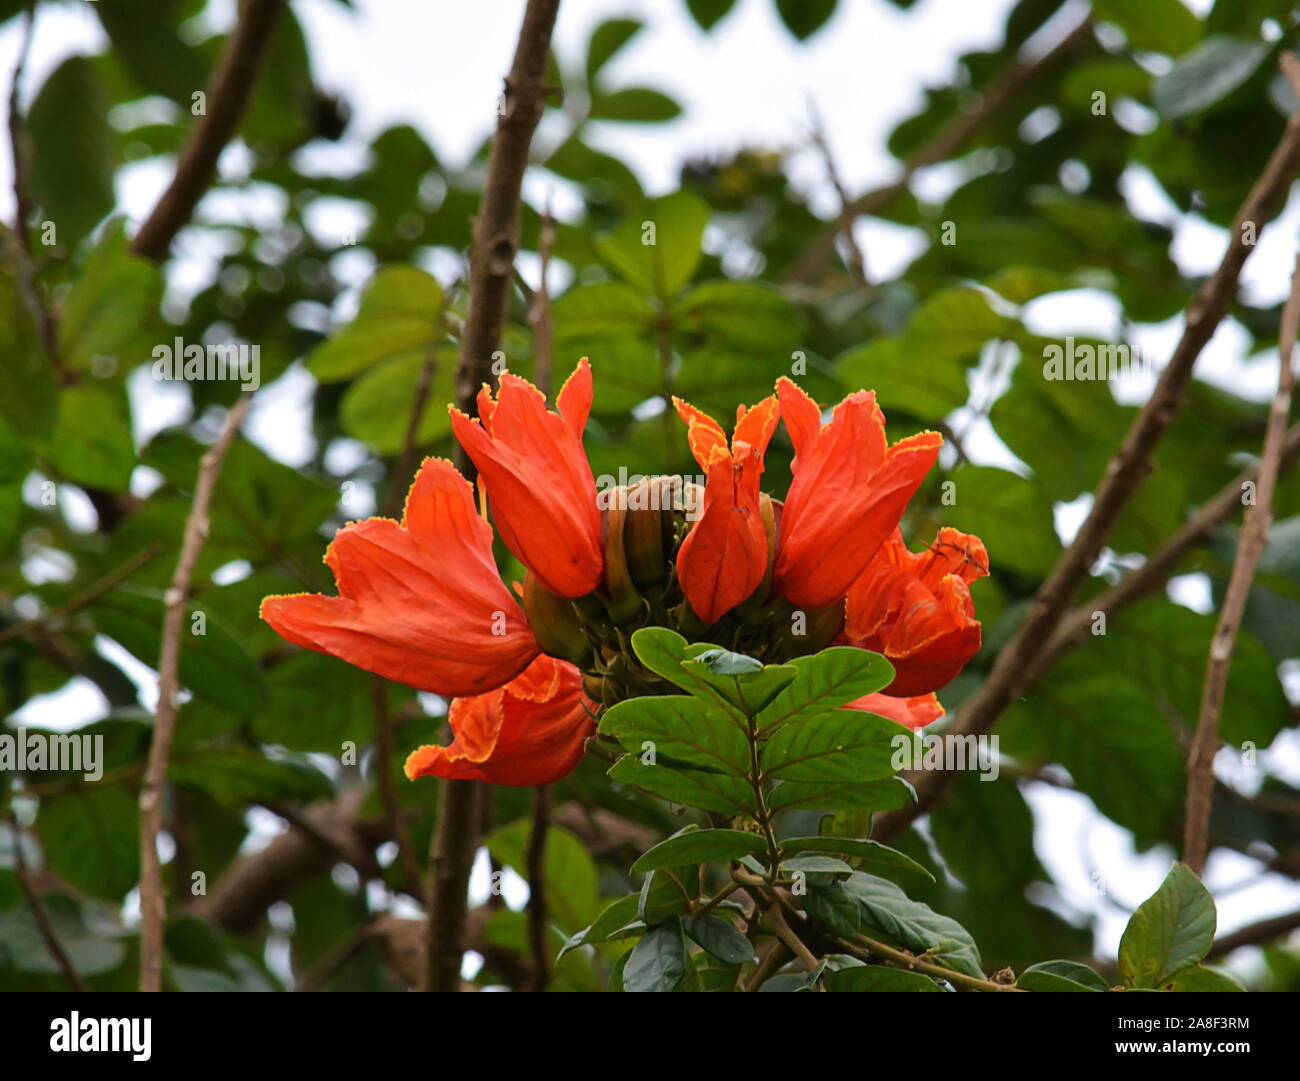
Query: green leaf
{"type": "Point", "coordinates": [214, 665]}
{"type": "Point", "coordinates": [109, 304]}
{"type": "Point", "coordinates": [91, 444]}
{"type": "Point", "coordinates": [377, 407]}
{"type": "Point", "coordinates": [742, 316]}
{"type": "Point", "coordinates": [74, 152]}
{"type": "Point", "coordinates": [634, 104]}
{"type": "Point", "coordinates": [913, 925]}
{"type": "Point", "coordinates": [664, 652]}
{"type": "Point", "coordinates": [658, 961]}
{"type": "Point", "coordinates": [985, 834]}
{"type": "Point", "coordinates": [839, 745]}
{"type": "Point", "coordinates": [659, 252]}
{"type": "Point", "coordinates": [1061, 976]}
{"type": "Point", "coordinates": [23, 945]}
{"type": "Point", "coordinates": [803, 18]}
{"type": "Point", "coordinates": [1165, 26]}
{"type": "Point", "coordinates": [706, 13]}
{"type": "Point", "coordinates": [29, 398]}
{"type": "Point", "coordinates": [823, 681]}
{"type": "Point", "coordinates": [91, 839]}
{"type": "Point", "coordinates": [694, 845]}
{"type": "Point", "coordinates": [864, 853]}
{"type": "Point", "coordinates": [234, 776]}
{"type": "Point", "coordinates": [606, 40]}
{"type": "Point", "coordinates": [399, 319]}
{"type": "Point", "coordinates": [601, 310]}
{"type": "Point", "coordinates": [1171, 929]}
{"type": "Point", "coordinates": [612, 921]}
{"type": "Point", "coordinates": [744, 682]}
{"type": "Point", "coordinates": [1207, 75]}
{"type": "Point", "coordinates": [929, 390]}
{"type": "Point", "coordinates": [691, 788]}
{"type": "Point", "coordinates": [1200, 978]}
{"type": "Point", "coordinates": [572, 892]}
{"type": "Point", "coordinates": [953, 324]}
{"type": "Point", "coordinates": [719, 938]}
{"type": "Point", "coordinates": [1011, 514]}
{"type": "Point", "coordinates": [879, 978]}
{"type": "Point", "coordinates": [834, 908]}
{"type": "Point", "coordinates": [665, 894]}
{"type": "Point", "coordinates": [682, 730]}
{"type": "Point", "coordinates": [885, 795]}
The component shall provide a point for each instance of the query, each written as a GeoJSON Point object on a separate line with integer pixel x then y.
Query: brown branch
{"type": "Point", "coordinates": [1124, 473]}
{"type": "Point", "coordinates": [1250, 547]}
{"type": "Point", "coordinates": [86, 597]}
{"type": "Point", "coordinates": [153, 903]}
{"type": "Point", "coordinates": [227, 100]}
{"type": "Point", "coordinates": [496, 240]}
{"type": "Point", "coordinates": [39, 913]}
{"type": "Point", "coordinates": [1154, 572]}
{"type": "Point", "coordinates": [1005, 88]}
{"type": "Point", "coordinates": [1255, 934]}
{"type": "Point", "coordinates": [536, 869]}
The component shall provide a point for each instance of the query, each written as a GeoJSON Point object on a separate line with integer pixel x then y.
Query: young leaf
{"type": "Point", "coordinates": [1061, 976]}
{"type": "Point", "coordinates": [719, 938]}
{"type": "Point", "coordinates": [694, 845]}
{"type": "Point", "coordinates": [1172, 929]}
{"type": "Point", "coordinates": [658, 961]}
{"type": "Point", "coordinates": [833, 677]}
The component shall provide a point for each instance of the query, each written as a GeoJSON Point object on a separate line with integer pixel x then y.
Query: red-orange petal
{"type": "Point", "coordinates": [530, 732]}
{"type": "Point", "coordinates": [848, 494]}
{"type": "Point", "coordinates": [538, 480]}
{"type": "Point", "coordinates": [915, 712]}
{"type": "Point", "coordinates": [421, 602]}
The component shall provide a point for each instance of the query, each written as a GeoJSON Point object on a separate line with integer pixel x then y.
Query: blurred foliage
{"type": "Point", "coordinates": [711, 310]}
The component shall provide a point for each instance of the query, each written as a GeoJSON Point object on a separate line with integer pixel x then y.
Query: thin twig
{"type": "Point", "coordinates": [86, 597]}
{"type": "Point", "coordinates": [1124, 474]}
{"type": "Point", "coordinates": [18, 140]}
{"type": "Point", "coordinates": [1250, 547]}
{"type": "Point", "coordinates": [227, 100]}
{"type": "Point", "coordinates": [1005, 88]}
{"type": "Point", "coordinates": [856, 259]}
{"type": "Point", "coordinates": [496, 240]}
{"type": "Point", "coordinates": [43, 922]}
{"type": "Point", "coordinates": [536, 869]}
{"type": "Point", "coordinates": [1255, 934]}
{"type": "Point", "coordinates": [335, 959]}
{"type": "Point", "coordinates": [153, 903]}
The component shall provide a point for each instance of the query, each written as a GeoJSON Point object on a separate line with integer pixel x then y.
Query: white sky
{"type": "Point", "coordinates": [438, 66]}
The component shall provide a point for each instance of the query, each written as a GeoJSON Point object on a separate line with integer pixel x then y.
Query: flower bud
{"type": "Point", "coordinates": [648, 530]}
{"type": "Point", "coordinates": [555, 623]}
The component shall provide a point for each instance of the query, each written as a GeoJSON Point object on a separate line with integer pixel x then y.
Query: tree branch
{"type": "Point", "coordinates": [536, 866]}
{"type": "Point", "coordinates": [945, 143]}
{"type": "Point", "coordinates": [496, 240]}
{"type": "Point", "coordinates": [1124, 473]}
{"type": "Point", "coordinates": [153, 904]}
{"type": "Point", "coordinates": [227, 99]}
{"type": "Point", "coordinates": [39, 913]}
{"type": "Point", "coordinates": [1250, 546]}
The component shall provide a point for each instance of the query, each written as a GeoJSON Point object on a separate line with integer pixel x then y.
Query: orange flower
{"type": "Point", "coordinates": [420, 602]}
{"type": "Point", "coordinates": [538, 479]}
{"type": "Point", "coordinates": [532, 731]}
{"type": "Point", "coordinates": [848, 493]}
{"type": "Point", "coordinates": [916, 609]}
{"type": "Point", "coordinates": [914, 712]}
{"type": "Point", "coordinates": [724, 557]}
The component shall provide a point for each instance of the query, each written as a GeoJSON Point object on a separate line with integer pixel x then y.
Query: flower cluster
{"type": "Point", "coordinates": [422, 601]}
